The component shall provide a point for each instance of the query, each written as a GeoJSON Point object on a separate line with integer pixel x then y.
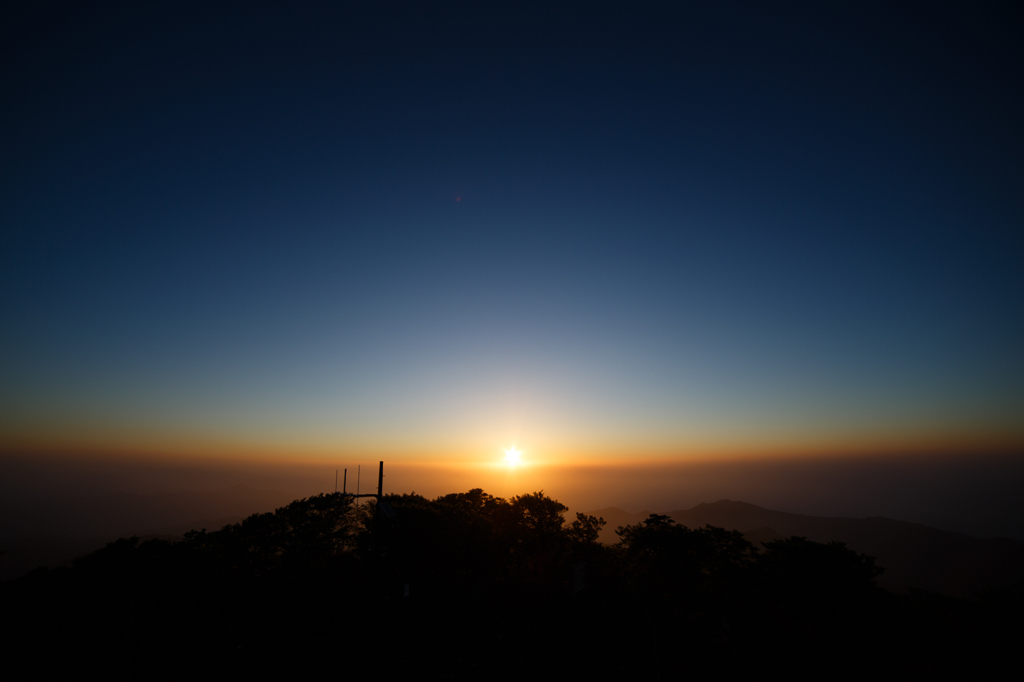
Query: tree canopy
{"type": "Point", "coordinates": [474, 576]}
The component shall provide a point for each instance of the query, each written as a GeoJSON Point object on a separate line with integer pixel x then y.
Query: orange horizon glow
{"type": "Point", "coordinates": [183, 447]}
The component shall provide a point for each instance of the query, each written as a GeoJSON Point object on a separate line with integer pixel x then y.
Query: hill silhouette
{"type": "Point", "coordinates": [468, 584]}
{"type": "Point", "coordinates": [54, 533]}
{"type": "Point", "coordinates": [914, 556]}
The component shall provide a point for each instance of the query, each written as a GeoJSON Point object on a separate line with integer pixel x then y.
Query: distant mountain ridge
{"type": "Point", "coordinates": [913, 555]}
{"type": "Point", "coordinates": [55, 534]}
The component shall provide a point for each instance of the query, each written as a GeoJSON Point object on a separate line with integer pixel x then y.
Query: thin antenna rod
{"type": "Point", "coordinates": [344, 483]}
{"type": "Point", "coordinates": [380, 482]}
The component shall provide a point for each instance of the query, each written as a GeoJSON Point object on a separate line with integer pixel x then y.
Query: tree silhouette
{"type": "Point", "coordinates": [585, 529]}
{"type": "Point", "coordinates": [489, 574]}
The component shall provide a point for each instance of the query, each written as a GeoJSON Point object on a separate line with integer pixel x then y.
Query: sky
{"type": "Point", "coordinates": [602, 233]}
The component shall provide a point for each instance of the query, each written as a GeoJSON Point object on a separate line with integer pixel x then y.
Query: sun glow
{"type": "Point", "coordinates": [513, 457]}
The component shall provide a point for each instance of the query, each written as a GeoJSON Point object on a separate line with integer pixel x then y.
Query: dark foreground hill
{"type": "Point", "coordinates": [913, 555]}
{"type": "Point", "coordinates": [468, 586]}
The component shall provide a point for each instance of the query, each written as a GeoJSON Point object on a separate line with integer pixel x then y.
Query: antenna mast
{"type": "Point", "coordinates": [381, 505]}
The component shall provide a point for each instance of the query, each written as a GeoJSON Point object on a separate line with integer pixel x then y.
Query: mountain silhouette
{"type": "Point", "coordinates": [54, 533]}
{"type": "Point", "coordinates": [913, 555]}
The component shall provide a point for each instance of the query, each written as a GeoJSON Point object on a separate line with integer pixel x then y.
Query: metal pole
{"type": "Point", "coordinates": [344, 483]}
{"type": "Point", "coordinates": [380, 481]}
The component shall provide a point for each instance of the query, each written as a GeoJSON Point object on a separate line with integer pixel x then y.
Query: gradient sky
{"type": "Point", "coordinates": [597, 230]}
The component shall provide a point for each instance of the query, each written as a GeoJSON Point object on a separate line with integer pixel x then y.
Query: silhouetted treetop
{"type": "Point", "coordinates": [475, 569]}
{"type": "Point", "coordinates": [585, 529]}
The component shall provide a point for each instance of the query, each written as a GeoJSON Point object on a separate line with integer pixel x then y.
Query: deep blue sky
{"type": "Point", "coordinates": [616, 229]}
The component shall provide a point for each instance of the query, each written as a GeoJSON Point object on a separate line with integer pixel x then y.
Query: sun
{"type": "Point", "coordinates": [513, 457]}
